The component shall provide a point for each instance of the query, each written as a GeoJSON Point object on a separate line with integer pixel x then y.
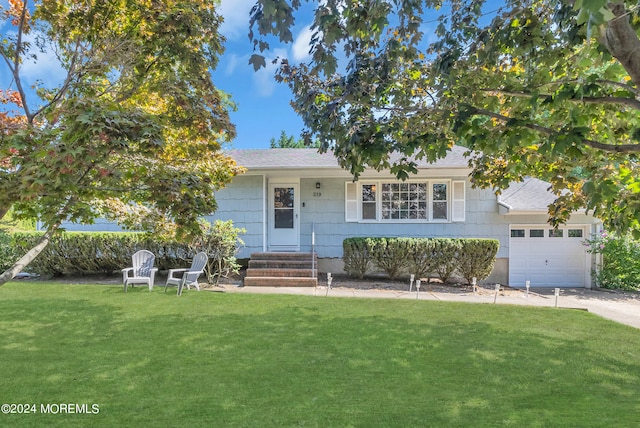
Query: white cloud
{"type": "Point", "coordinates": [236, 17]}
{"type": "Point", "coordinates": [231, 63]}
{"type": "Point", "coordinates": [301, 45]}
{"type": "Point", "coordinates": [46, 67]}
{"type": "Point", "coordinates": [263, 80]}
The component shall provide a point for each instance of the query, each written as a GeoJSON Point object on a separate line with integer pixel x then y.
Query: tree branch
{"type": "Point", "coordinates": [629, 102]}
{"type": "Point", "coordinates": [16, 62]}
{"type": "Point", "coordinates": [614, 148]}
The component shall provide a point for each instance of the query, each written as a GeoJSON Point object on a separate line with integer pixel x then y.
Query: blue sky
{"type": "Point", "coordinates": [263, 104]}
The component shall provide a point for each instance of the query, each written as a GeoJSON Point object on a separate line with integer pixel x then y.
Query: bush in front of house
{"type": "Point", "coordinates": [391, 255]}
{"type": "Point", "coordinates": [442, 257]}
{"type": "Point", "coordinates": [620, 261]}
{"type": "Point", "coordinates": [357, 256]}
{"type": "Point", "coordinates": [446, 257]}
{"type": "Point", "coordinates": [221, 242]}
{"type": "Point", "coordinates": [7, 255]}
{"type": "Point", "coordinates": [476, 257]}
{"type": "Point", "coordinates": [78, 253]}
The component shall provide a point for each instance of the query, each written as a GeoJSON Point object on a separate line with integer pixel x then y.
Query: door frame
{"type": "Point", "coordinates": [294, 243]}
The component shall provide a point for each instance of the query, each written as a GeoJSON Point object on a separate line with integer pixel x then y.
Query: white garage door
{"type": "Point", "coordinates": [547, 257]}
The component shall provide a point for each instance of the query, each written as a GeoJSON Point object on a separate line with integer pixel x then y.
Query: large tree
{"type": "Point", "coordinates": [131, 131]}
{"type": "Point", "coordinates": [532, 87]}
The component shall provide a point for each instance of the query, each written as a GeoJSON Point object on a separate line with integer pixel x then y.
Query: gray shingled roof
{"type": "Point", "coordinates": [531, 194]}
{"type": "Point", "coordinates": [310, 158]}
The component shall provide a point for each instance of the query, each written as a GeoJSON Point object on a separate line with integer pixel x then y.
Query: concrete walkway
{"type": "Point", "coordinates": [617, 306]}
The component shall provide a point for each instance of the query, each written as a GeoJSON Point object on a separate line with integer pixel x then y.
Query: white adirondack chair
{"type": "Point", "coordinates": [187, 276]}
{"type": "Point", "coordinates": [142, 271]}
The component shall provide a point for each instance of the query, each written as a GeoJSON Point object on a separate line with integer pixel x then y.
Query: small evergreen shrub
{"type": "Point", "coordinates": [422, 259]}
{"type": "Point", "coordinates": [391, 255]}
{"type": "Point", "coordinates": [476, 258]}
{"type": "Point", "coordinates": [445, 253]}
{"type": "Point", "coordinates": [356, 256]}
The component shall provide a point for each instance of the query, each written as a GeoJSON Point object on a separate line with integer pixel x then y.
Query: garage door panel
{"type": "Point", "coordinates": [547, 261]}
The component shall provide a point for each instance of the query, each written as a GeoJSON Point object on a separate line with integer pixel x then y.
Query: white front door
{"type": "Point", "coordinates": [283, 217]}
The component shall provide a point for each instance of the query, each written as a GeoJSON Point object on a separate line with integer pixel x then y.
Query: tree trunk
{"type": "Point", "coordinates": [24, 261]}
{"type": "Point", "coordinates": [621, 39]}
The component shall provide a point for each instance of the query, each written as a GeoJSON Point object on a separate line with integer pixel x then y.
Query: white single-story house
{"type": "Point", "coordinates": [290, 199]}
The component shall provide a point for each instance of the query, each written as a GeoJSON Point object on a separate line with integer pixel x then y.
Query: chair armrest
{"type": "Point", "coordinates": [172, 271]}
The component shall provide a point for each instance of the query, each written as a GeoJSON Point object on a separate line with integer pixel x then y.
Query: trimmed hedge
{"type": "Point", "coordinates": [78, 253]}
{"type": "Point", "coordinates": [442, 257]}
{"type": "Point", "coordinates": [7, 255]}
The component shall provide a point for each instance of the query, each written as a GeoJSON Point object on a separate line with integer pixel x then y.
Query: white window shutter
{"type": "Point", "coordinates": [458, 207]}
{"type": "Point", "coordinates": [350, 202]}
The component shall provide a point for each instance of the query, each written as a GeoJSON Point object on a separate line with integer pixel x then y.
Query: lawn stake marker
{"type": "Point", "coordinates": [411, 282]}
{"type": "Point", "coordinates": [527, 284]}
{"type": "Point", "coordinates": [417, 289]}
{"type": "Point", "coordinates": [557, 293]}
{"type": "Point", "coordinates": [495, 297]}
{"type": "Point", "coordinates": [473, 284]}
{"type": "Point", "coordinates": [329, 279]}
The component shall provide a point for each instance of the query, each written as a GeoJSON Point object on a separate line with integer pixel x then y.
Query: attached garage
{"type": "Point", "coordinates": [549, 257]}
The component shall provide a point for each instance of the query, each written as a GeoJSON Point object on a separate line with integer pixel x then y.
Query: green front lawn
{"type": "Point", "coordinates": [213, 359]}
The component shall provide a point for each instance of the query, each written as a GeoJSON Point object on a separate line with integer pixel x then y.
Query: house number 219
{"type": "Point", "coordinates": [317, 194]}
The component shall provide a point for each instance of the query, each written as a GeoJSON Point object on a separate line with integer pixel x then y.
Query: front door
{"type": "Point", "coordinates": [283, 217]}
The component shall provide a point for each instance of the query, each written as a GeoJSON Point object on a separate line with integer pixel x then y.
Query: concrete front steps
{"type": "Point", "coordinates": [275, 269]}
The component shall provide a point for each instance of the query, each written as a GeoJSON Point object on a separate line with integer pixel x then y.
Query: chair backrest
{"type": "Point", "coordinates": [142, 262]}
{"type": "Point", "coordinates": [197, 266]}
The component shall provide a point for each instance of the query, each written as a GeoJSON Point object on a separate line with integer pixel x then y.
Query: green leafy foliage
{"type": "Point", "coordinates": [533, 88]}
{"type": "Point", "coordinates": [221, 241]}
{"type": "Point", "coordinates": [356, 256]}
{"type": "Point", "coordinates": [620, 261]}
{"type": "Point", "coordinates": [7, 252]}
{"type": "Point", "coordinates": [81, 253]}
{"type": "Point", "coordinates": [476, 258]}
{"type": "Point", "coordinates": [391, 255]}
{"type": "Point", "coordinates": [445, 252]}
{"type": "Point", "coordinates": [423, 257]}
{"type": "Point", "coordinates": [133, 131]}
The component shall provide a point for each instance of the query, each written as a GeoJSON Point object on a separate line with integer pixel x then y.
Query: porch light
{"type": "Point", "coordinates": [317, 184]}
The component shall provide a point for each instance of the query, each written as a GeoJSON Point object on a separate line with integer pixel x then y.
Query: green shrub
{"type": "Point", "coordinates": [445, 253]}
{"type": "Point", "coordinates": [476, 258]}
{"type": "Point", "coordinates": [420, 256]}
{"type": "Point", "coordinates": [7, 254]}
{"type": "Point", "coordinates": [221, 242]}
{"type": "Point", "coordinates": [73, 253]}
{"type": "Point", "coordinates": [620, 261]}
{"type": "Point", "coordinates": [77, 253]}
{"type": "Point", "coordinates": [422, 260]}
{"type": "Point", "coordinates": [391, 255]}
{"type": "Point", "coordinates": [356, 256]}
